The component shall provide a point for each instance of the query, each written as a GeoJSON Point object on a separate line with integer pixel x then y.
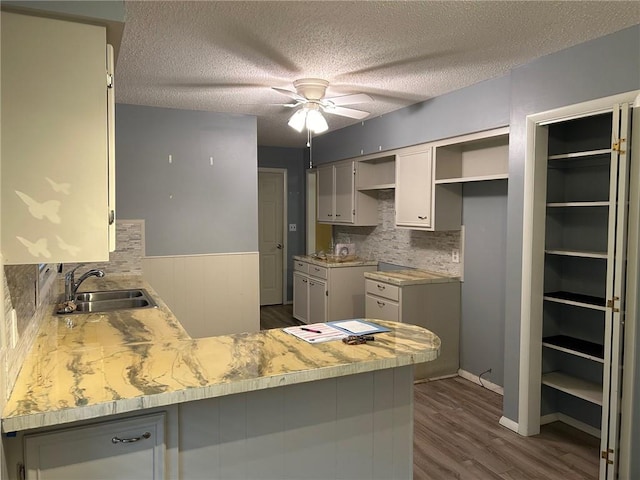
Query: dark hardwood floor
{"type": "Point", "coordinates": [457, 434]}
{"type": "Point", "coordinates": [277, 316]}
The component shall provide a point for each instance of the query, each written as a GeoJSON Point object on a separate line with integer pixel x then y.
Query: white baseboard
{"type": "Point", "coordinates": [485, 383]}
{"type": "Point", "coordinates": [577, 424]}
{"type": "Point", "coordinates": [508, 423]}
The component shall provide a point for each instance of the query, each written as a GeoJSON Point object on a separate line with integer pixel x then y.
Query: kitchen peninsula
{"type": "Point", "coordinates": [253, 405]}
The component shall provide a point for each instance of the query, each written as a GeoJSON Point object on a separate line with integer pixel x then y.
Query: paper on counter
{"type": "Point", "coordinates": [323, 332]}
{"type": "Point", "coordinates": [358, 327]}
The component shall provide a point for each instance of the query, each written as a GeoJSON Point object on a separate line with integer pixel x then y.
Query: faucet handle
{"type": "Point", "coordinates": [71, 272]}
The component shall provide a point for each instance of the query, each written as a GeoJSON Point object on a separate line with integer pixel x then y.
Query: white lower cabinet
{"type": "Point", "coordinates": [128, 449]}
{"type": "Point", "coordinates": [434, 306]}
{"type": "Point", "coordinates": [317, 300]}
{"type": "Point", "coordinates": [301, 297]}
{"type": "Point", "coordinates": [327, 293]}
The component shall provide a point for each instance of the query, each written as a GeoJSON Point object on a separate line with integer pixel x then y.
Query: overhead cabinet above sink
{"type": "Point", "coordinates": [58, 176]}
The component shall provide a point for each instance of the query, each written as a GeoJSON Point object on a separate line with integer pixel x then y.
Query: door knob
{"type": "Point", "coordinates": [279, 246]}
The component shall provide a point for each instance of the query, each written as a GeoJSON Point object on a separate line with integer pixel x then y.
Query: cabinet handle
{"type": "Point", "coordinates": [338, 214]}
{"type": "Point", "coordinates": [144, 436]}
{"type": "Point", "coordinates": [330, 215]}
{"type": "Point", "coordinates": [304, 281]}
{"type": "Point", "coordinates": [421, 217]}
{"type": "Point", "coordinates": [381, 287]}
{"type": "Point", "coordinates": [380, 304]}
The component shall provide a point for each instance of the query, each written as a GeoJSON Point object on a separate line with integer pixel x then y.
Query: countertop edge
{"type": "Point", "coordinates": [392, 278]}
{"type": "Point", "coordinates": [120, 406]}
{"type": "Point", "coordinates": [329, 264]}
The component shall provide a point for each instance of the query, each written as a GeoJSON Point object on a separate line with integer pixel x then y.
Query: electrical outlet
{"type": "Point", "coordinates": [455, 255]}
{"type": "Point", "coordinates": [293, 227]}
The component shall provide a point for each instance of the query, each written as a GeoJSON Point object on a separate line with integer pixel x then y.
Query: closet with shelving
{"type": "Point", "coordinates": [580, 200]}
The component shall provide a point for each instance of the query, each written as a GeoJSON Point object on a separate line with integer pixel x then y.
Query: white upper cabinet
{"type": "Point", "coordinates": [413, 189]}
{"type": "Point", "coordinates": [344, 193]}
{"type": "Point", "coordinates": [325, 194]}
{"type": "Point", "coordinates": [338, 200]}
{"type": "Point", "coordinates": [55, 141]}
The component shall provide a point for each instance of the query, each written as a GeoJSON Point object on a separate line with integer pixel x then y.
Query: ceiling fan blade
{"type": "Point", "coordinates": [346, 112]}
{"type": "Point", "coordinates": [289, 93]}
{"type": "Point", "coordinates": [349, 99]}
{"type": "Point", "coordinates": [288, 105]}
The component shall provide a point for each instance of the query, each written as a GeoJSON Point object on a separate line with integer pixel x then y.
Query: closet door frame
{"type": "Point", "coordinates": [534, 212]}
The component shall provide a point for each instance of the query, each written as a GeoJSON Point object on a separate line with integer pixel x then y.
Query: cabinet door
{"type": "Point", "coordinates": [317, 301]}
{"type": "Point", "coordinates": [127, 449]}
{"type": "Point", "coordinates": [344, 186]}
{"type": "Point", "coordinates": [325, 194]}
{"type": "Point", "coordinates": [54, 141]}
{"type": "Point", "coordinates": [414, 190]}
{"type": "Point", "coordinates": [301, 297]}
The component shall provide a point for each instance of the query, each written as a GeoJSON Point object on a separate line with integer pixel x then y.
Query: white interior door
{"type": "Point", "coordinates": [271, 234]}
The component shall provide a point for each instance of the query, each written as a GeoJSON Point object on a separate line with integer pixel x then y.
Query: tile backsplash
{"type": "Point", "coordinates": [127, 258]}
{"type": "Point", "coordinates": [412, 248]}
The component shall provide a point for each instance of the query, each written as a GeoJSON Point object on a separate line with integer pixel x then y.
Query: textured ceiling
{"type": "Point", "coordinates": [225, 56]}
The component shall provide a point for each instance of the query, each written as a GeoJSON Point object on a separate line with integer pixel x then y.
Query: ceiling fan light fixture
{"type": "Point", "coordinates": [316, 122]}
{"type": "Point", "coordinates": [298, 120]}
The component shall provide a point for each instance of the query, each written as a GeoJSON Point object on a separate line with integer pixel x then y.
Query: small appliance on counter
{"type": "Point", "coordinates": [345, 250]}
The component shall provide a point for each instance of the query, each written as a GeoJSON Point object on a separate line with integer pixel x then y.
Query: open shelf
{"type": "Point", "coordinates": [587, 153]}
{"type": "Point", "coordinates": [589, 391]}
{"type": "Point", "coordinates": [478, 178]}
{"type": "Point", "coordinates": [473, 158]}
{"type": "Point", "coordinates": [577, 204]}
{"type": "Point", "coordinates": [576, 253]}
{"type": "Point", "coordinates": [381, 186]}
{"type": "Point", "coordinates": [577, 299]}
{"type": "Point", "coordinates": [377, 173]}
{"type": "Point", "coordinates": [575, 346]}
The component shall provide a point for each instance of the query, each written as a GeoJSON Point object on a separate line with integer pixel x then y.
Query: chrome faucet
{"type": "Point", "coordinates": [70, 284]}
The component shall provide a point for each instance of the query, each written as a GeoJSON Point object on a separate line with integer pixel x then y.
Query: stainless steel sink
{"type": "Point", "coordinates": [111, 300]}
{"type": "Point", "coordinates": [108, 295]}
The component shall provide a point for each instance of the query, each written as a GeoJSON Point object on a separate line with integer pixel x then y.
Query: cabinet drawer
{"type": "Point", "coordinates": [376, 307]}
{"type": "Point", "coordinates": [300, 266]}
{"type": "Point", "coordinates": [384, 290]}
{"type": "Point", "coordinates": [316, 271]}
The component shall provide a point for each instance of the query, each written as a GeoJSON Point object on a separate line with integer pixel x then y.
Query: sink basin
{"type": "Point", "coordinates": [108, 295]}
{"type": "Point", "coordinates": [111, 300]}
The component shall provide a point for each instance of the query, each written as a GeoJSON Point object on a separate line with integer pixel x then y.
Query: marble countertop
{"type": "Point", "coordinates": [358, 262]}
{"type": "Point", "coordinates": [410, 277]}
{"type": "Point", "coordinates": [135, 359]}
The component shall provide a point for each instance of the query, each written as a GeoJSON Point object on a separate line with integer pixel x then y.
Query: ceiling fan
{"type": "Point", "coordinates": [309, 95]}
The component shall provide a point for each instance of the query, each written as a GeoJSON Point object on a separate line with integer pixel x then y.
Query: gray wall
{"type": "Point", "coordinates": [484, 216]}
{"type": "Point", "coordinates": [189, 206]}
{"type": "Point", "coordinates": [481, 106]}
{"type": "Point", "coordinates": [295, 162]}
{"type": "Point", "coordinates": [107, 10]}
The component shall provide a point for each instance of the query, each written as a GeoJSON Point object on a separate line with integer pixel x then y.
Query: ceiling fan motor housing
{"type": "Point", "coordinates": [311, 88]}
